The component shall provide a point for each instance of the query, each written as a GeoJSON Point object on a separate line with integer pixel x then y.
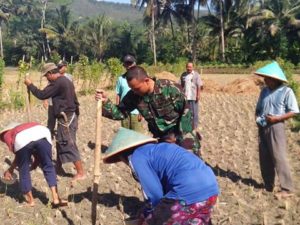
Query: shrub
{"type": "Point", "coordinates": [115, 68]}
{"type": "Point", "coordinates": [55, 57]}
{"type": "Point", "coordinates": [17, 99]}
{"type": "Point", "coordinates": [23, 69]}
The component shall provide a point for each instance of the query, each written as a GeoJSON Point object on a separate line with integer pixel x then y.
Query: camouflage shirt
{"type": "Point", "coordinates": [166, 111]}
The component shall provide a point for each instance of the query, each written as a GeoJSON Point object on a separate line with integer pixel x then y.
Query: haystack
{"type": "Point", "coordinates": [251, 85]}
{"type": "Point", "coordinates": [166, 75]}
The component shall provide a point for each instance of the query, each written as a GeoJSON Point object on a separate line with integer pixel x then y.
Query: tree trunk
{"type": "Point", "coordinates": [43, 21]}
{"type": "Point", "coordinates": [1, 44]}
{"type": "Point", "coordinates": [153, 6]}
{"type": "Point", "coordinates": [222, 31]}
{"type": "Point", "coordinates": [194, 40]}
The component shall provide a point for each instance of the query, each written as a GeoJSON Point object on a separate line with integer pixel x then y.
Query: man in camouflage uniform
{"type": "Point", "coordinates": [163, 105]}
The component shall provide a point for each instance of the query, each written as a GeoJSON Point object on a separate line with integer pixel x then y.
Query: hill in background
{"type": "Point", "coordinates": [115, 11]}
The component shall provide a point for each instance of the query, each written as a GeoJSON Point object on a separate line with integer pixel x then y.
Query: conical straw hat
{"type": "Point", "coordinates": [124, 140]}
{"type": "Point", "coordinates": [272, 70]}
{"type": "Point", "coordinates": [10, 126]}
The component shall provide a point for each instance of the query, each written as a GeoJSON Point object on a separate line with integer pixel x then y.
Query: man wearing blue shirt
{"type": "Point", "coordinates": [174, 181]}
{"type": "Point", "coordinates": [276, 103]}
{"type": "Point", "coordinates": [133, 121]}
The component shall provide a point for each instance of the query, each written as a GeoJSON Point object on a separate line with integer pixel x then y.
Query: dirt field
{"type": "Point", "coordinates": [229, 146]}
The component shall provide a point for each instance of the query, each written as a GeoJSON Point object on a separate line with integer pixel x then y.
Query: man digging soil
{"type": "Point", "coordinates": [66, 110]}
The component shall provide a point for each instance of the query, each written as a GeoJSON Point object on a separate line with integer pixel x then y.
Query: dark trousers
{"type": "Point", "coordinates": [43, 150]}
{"type": "Point", "coordinates": [51, 122]}
{"type": "Point", "coordinates": [66, 147]}
{"type": "Point", "coordinates": [194, 106]}
{"type": "Point", "coordinates": [272, 156]}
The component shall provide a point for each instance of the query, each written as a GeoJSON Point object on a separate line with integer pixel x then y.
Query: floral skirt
{"type": "Point", "coordinates": [174, 212]}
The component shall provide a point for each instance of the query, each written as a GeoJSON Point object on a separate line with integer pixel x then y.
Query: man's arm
{"type": "Point", "coordinates": [121, 111]}
{"type": "Point", "coordinates": [275, 119]}
{"type": "Point", "coordinates": [199, 85]}
{"type": "Point", "coordinates": [148, 179]}
{"type": "Point", "coordinates": [117, 99]}
{"type": "Point", "coordinates": [9, 172]}
{"type": "Point", "coordinates": [51, 90]}
{"type": "Point", "coordinates": [181, 106]}
{"type": "Point", "coordinates": [189, 140]}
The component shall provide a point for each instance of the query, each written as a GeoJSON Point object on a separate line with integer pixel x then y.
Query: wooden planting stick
{"type": "Point", "coordinates": [97, 158]}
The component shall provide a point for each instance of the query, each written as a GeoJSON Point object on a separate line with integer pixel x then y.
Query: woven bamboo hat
{"type": "Point", "coordinates": [125, 140]}
{"type": "Point", "coordinates": [272, 70]}
{"type": "Point", "coordinates": [10, 126]}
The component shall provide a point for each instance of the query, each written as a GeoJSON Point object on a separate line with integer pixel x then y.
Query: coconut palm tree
{"type": "Point", "coordinates": [272, 24]}
{"type": "Point", "coordinates": [229, 19]}
{"type": "Point", "coordinates": [96, 35]}
{"type": "Point", "coordinates": [60, 30]}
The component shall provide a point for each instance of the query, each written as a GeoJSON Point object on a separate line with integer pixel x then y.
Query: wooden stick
{"type": "Point", "coordinates": [97, 158]}
{"type": "Point", "coordinates": [28, 102]}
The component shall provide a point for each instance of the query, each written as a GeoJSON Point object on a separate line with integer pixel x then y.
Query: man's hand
{"type": "Point", "coordinates": [27, 81]}
{"type": "Point", "coordinates": [45, 104]}
{"type": "Point", "coordinates": [7, 175]}
{"type": "Point", "coordinates": [140, 117]}
{"type": "Point", "coordinates": [35, 163]}
{"type": "Point", "coordinates": [273, 119]}
{"type": "Point", "coordinates": [100, 94]}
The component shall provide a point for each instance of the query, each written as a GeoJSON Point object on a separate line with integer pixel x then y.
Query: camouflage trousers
{"type": "Point", "coordinates": [189, 141]}
{"type": "Point", "coordinates": [132, 123]}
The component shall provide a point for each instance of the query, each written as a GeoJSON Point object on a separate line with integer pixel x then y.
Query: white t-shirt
{"type": "Point", "coordinates": [192, 82]}
{"type": "Point", "coordinates": [35, 133]}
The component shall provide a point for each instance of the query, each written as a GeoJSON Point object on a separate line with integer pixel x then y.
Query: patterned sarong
{"type": "Point", "coordinates": [174, 212]}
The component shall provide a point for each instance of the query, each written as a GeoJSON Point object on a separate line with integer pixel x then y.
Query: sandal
{"type": "Point", "coordinates": [61, 203]}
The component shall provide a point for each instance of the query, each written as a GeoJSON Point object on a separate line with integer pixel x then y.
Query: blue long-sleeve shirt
{"type": "Point", "coordinates": [169, 171]}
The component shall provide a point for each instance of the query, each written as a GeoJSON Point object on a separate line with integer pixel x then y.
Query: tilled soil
{"type": "Point", "coordinates": [229, 146]}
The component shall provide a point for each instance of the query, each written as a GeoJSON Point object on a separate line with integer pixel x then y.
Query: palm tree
{"type": "Point", "coordinates": [229, 20]}
{"type": "Point", "coordinates": [96, 35]}
{"type": "Point", "coordinates": [154, 10]}
{"type": "Point", "coordinates": [61, 30]}
{"type": "Point", "coordinates": [270, 25]}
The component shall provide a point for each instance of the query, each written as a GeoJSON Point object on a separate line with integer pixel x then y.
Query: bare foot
{"type": "Point", "coordinates": [29, 201]}
{"type": "Point", "coordinates": [59, 203]}
{"type": "Point", "coordinates": [283, 194]}
{"type": "Point", "coordinates": [79, 177]}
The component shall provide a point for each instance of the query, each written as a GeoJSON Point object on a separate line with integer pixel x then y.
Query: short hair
{"type": "Point", "coordinates": [136, 72]}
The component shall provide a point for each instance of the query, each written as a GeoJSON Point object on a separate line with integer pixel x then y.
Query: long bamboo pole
{"type": "Point", "coordinates": [97, 158]}
{"type": "Point", "coordinates": [28, 102]}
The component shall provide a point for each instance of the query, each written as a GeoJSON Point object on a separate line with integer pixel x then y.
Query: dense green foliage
{"type": "Point", "coordinates": [252, 30]}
